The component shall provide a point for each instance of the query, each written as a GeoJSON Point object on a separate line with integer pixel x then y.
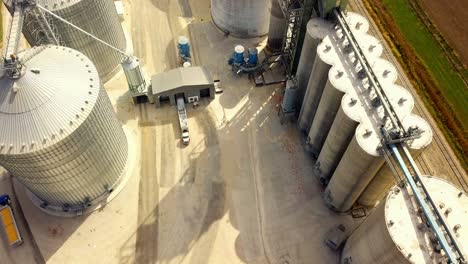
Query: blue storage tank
{"type": "Point", "coordinates": [184, 47]}
{"type": "Point", "coordinates": [239, 54]}
{"type": "Point", "coordinates": [253, 56]}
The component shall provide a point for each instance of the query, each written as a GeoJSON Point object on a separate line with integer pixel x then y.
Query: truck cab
{"type": "Point", "coordinates": [4, 200]}
{"type": "Point", "coordinates": [185, 137]}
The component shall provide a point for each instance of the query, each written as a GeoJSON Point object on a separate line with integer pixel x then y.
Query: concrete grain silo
{"type": "Point", "coordinates": [384, 179]}
{"type": "Point", "coordinates": [99, 18]}
{"type": "Point", "coordinates": [362, 162]}
{"type": "Point", "coordinates": [337, 85]}
{"type": "Point", "coordinates": [395, 233]}
{"type": "Point", "coordinates": [277, 27]}
{"type": "Point", "coordinates": [345, 115]}
{"type": "Point", "coordinates": [317, 29]}
{"type": "Point", "coordinates": [319, 74]}
{"type": "Point", "coordinates": [339, 136]}
{"type": "Point", "coordinates": [60, 136]}
{"type": "Point", "coordinates": [242, 18]}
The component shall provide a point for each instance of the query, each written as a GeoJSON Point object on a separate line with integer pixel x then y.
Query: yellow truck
{"type": "Point", "coordinates": [9, 223]}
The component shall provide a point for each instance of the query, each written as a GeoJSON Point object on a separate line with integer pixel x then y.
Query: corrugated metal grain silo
{"type": "Point", "coordinates": [60, 136]}
{"type": "Point", "coordinates": [99, 18]}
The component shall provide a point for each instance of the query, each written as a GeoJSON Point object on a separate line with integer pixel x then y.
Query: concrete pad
{"type": "Point", "coordinates": [26, 253]}
{"type": "Point", "coordinates": [105, 234]}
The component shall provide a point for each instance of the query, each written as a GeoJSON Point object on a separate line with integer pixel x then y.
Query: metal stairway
{"type": "Point", "coordinates": [293, 11]}
{"type": "Point", "coordinates": [14, 34]}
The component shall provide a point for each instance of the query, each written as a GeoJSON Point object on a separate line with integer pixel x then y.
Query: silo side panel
{"type": "Point", "coordinates": [354, 172]}
{"type": "Point", "coordinates": [317, 81]}
{"type": "Point", "coordinates": [99, 18]}
{"type": "Point", "coordinates": [323, 120]}
{"type": "Point", "coordinates": [277, 27]}
{"type": "Point", "coordinates": [371, 242]}
{"type": "Point", "coordinates": [242, 18]}
{"type": "Point", "coordinates": [338, 139]}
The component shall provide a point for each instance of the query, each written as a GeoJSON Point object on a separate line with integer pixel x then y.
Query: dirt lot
{"type": "Point", "coordinates": [452, 21]}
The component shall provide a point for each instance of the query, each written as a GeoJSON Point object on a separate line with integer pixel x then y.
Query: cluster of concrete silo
{"type": "Point", "coordinates": [60, 136]}
{"type": "Point", "coordinates": [342, 116]}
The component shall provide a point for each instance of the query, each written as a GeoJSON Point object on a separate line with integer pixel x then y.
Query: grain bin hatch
{"type": "Point", "coordinates": [190, 82]}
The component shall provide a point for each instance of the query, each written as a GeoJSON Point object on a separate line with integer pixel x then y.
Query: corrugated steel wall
{"type": "Point", "coordinates": [98, 17]}
{"type": "Point", "coordinates": [80, 168]}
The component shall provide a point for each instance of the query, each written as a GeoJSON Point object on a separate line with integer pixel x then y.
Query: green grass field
{"type": "Point", "coordinates": [428, 50]}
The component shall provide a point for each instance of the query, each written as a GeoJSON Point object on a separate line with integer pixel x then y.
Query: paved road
{"type": "Point", "coordinates": [154, 28]}
{"type": "Point", "coordinates": [242, 191]}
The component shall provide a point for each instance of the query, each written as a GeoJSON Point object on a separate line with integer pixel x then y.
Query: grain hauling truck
{"type": "Point", "coordinates": [9, 226]}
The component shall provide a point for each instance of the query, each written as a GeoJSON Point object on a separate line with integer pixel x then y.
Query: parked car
{"type": "Point", "coordinates": [218, 87]}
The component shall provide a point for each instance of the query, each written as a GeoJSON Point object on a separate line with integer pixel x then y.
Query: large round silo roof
{"type": "Point", "coordinates": [55, 94]}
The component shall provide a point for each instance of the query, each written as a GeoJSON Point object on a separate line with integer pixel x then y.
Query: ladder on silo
{"type": "Point", "coordinates": [14, 33]}
{"type": "Point", "coordinates": [394, 140]}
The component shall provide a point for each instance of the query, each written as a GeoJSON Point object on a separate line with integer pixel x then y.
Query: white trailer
{"type": "Point", "coordinates": [183, 122]}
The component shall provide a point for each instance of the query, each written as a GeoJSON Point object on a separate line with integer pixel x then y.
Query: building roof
{"type": "Point", "coordinates": [181, 77]}
{"type": "Point", "coordinates": [57, 91]}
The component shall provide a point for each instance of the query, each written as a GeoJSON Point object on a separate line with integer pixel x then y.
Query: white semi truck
{"type": "Point", "coordinates": [183, 120]}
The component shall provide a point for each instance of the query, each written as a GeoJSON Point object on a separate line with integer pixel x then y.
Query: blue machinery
{"type": "Point", "coordinates": [240, 64]}
{"type": "Point", "coordinates": [393, 142]}
{"type": "Point", "coordinates": [184, 49]}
